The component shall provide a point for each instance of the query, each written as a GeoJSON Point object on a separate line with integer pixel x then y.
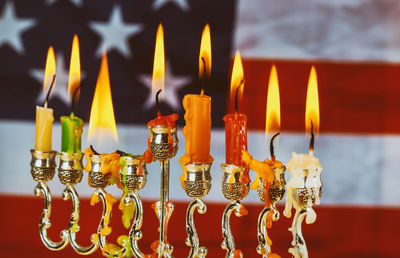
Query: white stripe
{"type": "Point", "coordinates": [357, 170]}
{"type": "Point", "coordinates": [333, 30]}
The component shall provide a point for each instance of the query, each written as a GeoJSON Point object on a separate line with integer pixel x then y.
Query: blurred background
{"type": "Point", "coordinates": [354, 46]}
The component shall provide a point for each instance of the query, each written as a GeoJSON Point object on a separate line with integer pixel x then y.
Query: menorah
{"type": "Point", "coordinates": [198, 184]}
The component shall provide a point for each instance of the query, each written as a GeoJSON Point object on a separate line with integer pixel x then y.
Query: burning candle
{"type": "Point", "coordinates": [102, 127]}
{"type": "Point", "coordinates": [197, 130]}
{"type": "Point", "coordinates": [72, 125]}
{"type": "Point", "coordinates": [44, 115]}
{"type": "Point", "coordinates": [305, 169]}
{"type": "Point", "coordinates": [157, 87]}
{"type": "Point", "coordinates": [236, 123]}
{"type": "Point", "coordinates": [265, 170]}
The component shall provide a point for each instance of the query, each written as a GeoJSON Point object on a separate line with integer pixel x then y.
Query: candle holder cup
{"type": "Point", "coordinates": [197, 185]}
{"type": "Point", "coordinates": [70, 168]}
{"type": "Point", "coordinates": [134, 179]}
{"type": "Point", "coordinates": [234, 191]}
{"type": "Point", "coordinates": [43, 166]}
{"type": "Point", "coordinates": [276, 193]}
{"type": "Point", "coordinates": [164, 146]}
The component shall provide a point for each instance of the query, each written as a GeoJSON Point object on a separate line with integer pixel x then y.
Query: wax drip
{"type": "Point", "coordinates": [271, 146]}
{"type": "Point", "coordinates": [121, 153]}
{"type": "Point", "coordinates": [93, 150]}
{"type": "Point", "coordinates": [237, 94]}
{"type": "Point", "coordinates": [77, 89]}
{"type": "Point", "coordinates": [311, 149]}
{"type": "Point", "coordinates": [158, 103]}
{"type": "Point", "coordinates": [49, 91]}
{"type": "Point", "coordinates": [203, 78]}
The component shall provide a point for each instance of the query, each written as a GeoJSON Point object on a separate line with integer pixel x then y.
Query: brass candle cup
{"type": "Point", "coordinates": [198, 179]}
{"type": "Point", "coordinates": [132, 180]}
{"type": "Point", "coordinates": [160, 142]}
{"type": "Point", "coordinates": [70, 168]}
{"type": "Point", "coordinates": [96, 178]}
{"type": "Point", "coordinates": [303, 195]}
{"type": "Point", "coordinates": [277, 188]}
{"type": "Point", "coordinates": [43, 165]}
{"type": "Point", "coordinates": [232, 188]}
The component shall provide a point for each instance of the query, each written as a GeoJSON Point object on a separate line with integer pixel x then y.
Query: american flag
{"type": "Point", "coordinates": [354, 45]}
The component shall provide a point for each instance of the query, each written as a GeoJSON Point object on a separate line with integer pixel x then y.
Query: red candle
{"type": "Point", "coordinates": [236, 123]}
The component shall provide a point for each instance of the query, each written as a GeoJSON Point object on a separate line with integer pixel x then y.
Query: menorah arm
{"type": "Point", "coordinates": [73, 226]}
{"type": "Point", "coordinates": [193, 240]}
{"type": "Point", "coordinates": [299, 249]}
{"type": "Point", "coordinates": [135, 234]}
{"type": "Point", "coordinates": [229, 243]}
{"type": "Point", "coordinates": [264, 243]}
{"type": "Point", "coordinates": [44, 223]}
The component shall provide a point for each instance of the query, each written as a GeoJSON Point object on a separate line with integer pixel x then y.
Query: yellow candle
{"type": "Point", "coordinates": [44, 125]}
{"type": "Point", "coordinates": [44, 115]}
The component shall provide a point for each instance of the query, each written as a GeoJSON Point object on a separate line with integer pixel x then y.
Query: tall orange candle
{"type": "Point", "coordinates": [44, 115]}
{"type": "Point", "coordinates": [197, 130]}
{"type": "Point", "coordinates": [236, 123]}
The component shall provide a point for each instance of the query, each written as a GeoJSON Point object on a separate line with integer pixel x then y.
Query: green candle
{"type": "Point", "coordinates": [71, 134]}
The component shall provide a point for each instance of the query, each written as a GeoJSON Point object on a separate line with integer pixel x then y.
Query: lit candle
{"type": "Point", "coordinates": [72, 125]}
{"type": "Point", "coordinates": [265, 170]}
{"type": "Point", "coordinates": [236, 123]}
{"type": "Point", "coordinates": [197, 130]}
{"type": "Point", "coordinates": [102, 127]}
{"type": "Point", "coordinates": [157, 87]}
{"type": "Point", "coordinates": [44, 115]}
{"type": "Point", "coordinates": [305, 169]}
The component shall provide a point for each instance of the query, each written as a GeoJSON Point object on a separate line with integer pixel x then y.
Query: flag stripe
{"type": "Point", "coordinates": [353, 97]}
{"type": "Point", "coordinates": [348, 232]}
{"type": "Point", "coordinates": [357, 170]}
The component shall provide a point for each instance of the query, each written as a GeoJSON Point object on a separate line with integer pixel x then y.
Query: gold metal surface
{"type": "Point", "coordinates": [70, 168]}
{"type": "Point", "coordinates": [130, 177]}
{"type": "Point", "coordinates": [43, 165]}
{"type": "Point", "coordinates": [198, 179]}
{"type": "Point", "coordinates": [192, 239]}
{"type": "Point", "coordinates": [232, 189]}
{"type": "Point", "coordinates": [73, 226]}
{"type": "Point", "coordinates": [45, 223]}
{"type": "Point", "coordinates": [276, 193]}
{"type": "Point", "coordinates": [228, 243]}
{"type": "Point", "coordinates": [163, 142]}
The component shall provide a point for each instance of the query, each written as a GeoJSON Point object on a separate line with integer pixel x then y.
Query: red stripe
{"type": "Point", "coordinates": [338, 231]}
{"type": "Point", "coordinates": [354, 97]}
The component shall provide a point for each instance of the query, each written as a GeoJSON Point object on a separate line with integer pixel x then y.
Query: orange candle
{"type": "Point", "coordinates": [235, 138]}
{"type": "Point", "coordinates": [197, 130]}
{"type": "Point", "coordinates": [236, 123]}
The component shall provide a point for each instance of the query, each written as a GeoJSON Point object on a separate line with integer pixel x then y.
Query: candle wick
{"type": "Point", "coordinates": [158, 103]}
{"type": "Point", "coordinates": [237, 94]}
{"type": "Point", "coordinates": [74, 94]}
{"type": "Point", "coordinates": [121, 153]}
{"type": "Point", "coordinates": [93, 150]}
{"type": "Point", "coordinates": [311, 148]}
{"type": "Point", "coordinates": [48, 92]}
{"type": "Point", "coordinates": [271, 146]}
{"type": "Point", "coordinates": [203, 76]}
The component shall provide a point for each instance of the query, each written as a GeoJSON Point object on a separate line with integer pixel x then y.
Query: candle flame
{"type": "Point", "coordinates": [74, 69]}
{"type": "Point", "coordinates": [50, 69]}
{"type": "Point", "coordinates": [312, 103]}
{"type": "Point", "coordinates": [102, 119]}
{"type": "Point", "coordinates": [159, 63]}
{"type": "Point", "coordinates": [237, 79]}
{"type": "Point", "coordinates": [205, 53]}
{"type": "Point", "coordinates": [273, 112]}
